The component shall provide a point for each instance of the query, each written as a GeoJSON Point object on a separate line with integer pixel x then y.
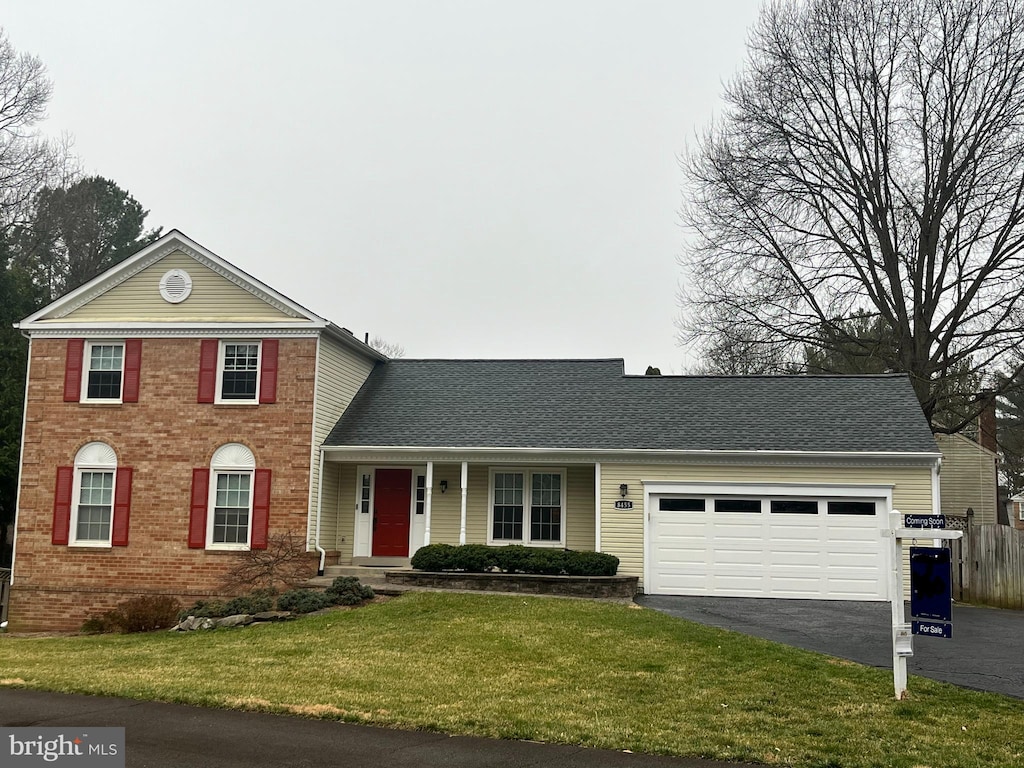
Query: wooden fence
{"type": "Point", "coordinates": [988, 566]}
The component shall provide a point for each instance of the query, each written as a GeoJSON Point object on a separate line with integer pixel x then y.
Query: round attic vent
{"type": "Point", "coordinates": [175, 286]}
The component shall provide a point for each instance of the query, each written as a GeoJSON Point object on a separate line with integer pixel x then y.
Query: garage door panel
{"type": "Point", "coordinates": [766, 554]}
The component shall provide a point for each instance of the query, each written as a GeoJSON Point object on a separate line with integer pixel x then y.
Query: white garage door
{"type": "Point", "coordinates": [792, 544]}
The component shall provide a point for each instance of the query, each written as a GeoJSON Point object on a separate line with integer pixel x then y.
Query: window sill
{"type": "Point", "coordinates": [101, 403]}
{"type": "Point", "coordinates": [97, 545]}
{"type": "Point", "coordinates": [531, 544]}
{"type": "Point", "coordinates": [235, 403]}
{"type": "Point", "coordinates": [227, 548]}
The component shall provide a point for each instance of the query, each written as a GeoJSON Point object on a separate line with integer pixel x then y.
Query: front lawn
{"type": "Point", "coordinates": [576, 672]}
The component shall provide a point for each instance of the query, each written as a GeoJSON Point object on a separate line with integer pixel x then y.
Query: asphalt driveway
{"type": "Point", "coordinates": [984, 653]}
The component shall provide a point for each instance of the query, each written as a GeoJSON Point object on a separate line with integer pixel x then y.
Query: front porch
{"type": "Point", "coordinates": [380, 512]}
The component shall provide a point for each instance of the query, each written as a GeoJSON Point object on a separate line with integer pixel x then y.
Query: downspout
{"type": "Point", "coordinates": [319, 506]}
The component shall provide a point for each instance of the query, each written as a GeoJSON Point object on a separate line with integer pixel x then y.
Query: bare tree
{"type": "Point", "coordinates": [385, 347]}
{"type": "Point", "coordinates": [870, 159]}
{"type": "Point", "coordinates": [28, 161]}
{"type": "Point", "coordinates": [285, 563]}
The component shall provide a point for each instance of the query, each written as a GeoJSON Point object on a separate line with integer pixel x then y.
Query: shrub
{"type": "Point", "coordinates": [212, 609]}
{"type": "Point", "coordinates": [346, 590]}
{"type": "Point", "coordinates": [255, 602]}
{"type": "Point", "coordinates": [591, 564]}
{"type": "Point", "coordinates": [550, 562]}
{"type": "Point", "coordinates": [433, 557]}
{"type": "Point", "coordinates": [140, 614]}
{"type": "Point", "coordinates": [284, 563]}
{"type": "Point", "coordinates": [476, 558]}
{"type": "Point", "coordinates": [515, 558]}
{"type": "Point", "coordinates": [303, 601]}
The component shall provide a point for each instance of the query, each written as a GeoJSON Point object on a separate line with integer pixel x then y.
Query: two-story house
{"type": "Point", "coordinates": [174, 412]}
{"type": "Point", "coordinates": [179, 412]}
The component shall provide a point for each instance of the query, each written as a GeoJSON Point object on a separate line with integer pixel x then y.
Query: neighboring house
{"type": "Point", "coordinates": [969, 478]}
{"type": "Point", "coordinates": [180, 412]}
{"type": "Point", "coordinates": [1016, 511]}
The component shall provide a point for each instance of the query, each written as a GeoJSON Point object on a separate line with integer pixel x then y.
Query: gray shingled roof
{"type": "Point", "coordinates": [590, 404]}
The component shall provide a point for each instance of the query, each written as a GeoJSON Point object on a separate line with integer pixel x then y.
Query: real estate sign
{"type": "Point", "coordinates": [931, 591]}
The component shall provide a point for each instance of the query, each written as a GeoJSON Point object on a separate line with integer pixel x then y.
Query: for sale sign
{"type": "Point", "coordinates": [931, 590]}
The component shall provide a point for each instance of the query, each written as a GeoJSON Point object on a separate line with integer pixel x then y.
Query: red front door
{"type": "Point", "coordinates": [392, 497]}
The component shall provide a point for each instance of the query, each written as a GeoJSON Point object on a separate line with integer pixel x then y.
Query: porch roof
{"type": "Point", "coordinates": [591, 404]}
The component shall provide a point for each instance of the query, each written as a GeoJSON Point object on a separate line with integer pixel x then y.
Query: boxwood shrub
{"type": "Point", "coordinates": [477, 558]}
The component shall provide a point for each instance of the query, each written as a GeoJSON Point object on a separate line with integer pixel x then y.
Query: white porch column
{"type": "Point", "coordinates": [597, 506]}
{"type": "Point", "coordinates": [426, 507]}
{"type": "Point", "coordinates": [462, 519]}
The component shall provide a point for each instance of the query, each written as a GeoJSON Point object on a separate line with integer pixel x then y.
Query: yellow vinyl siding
{"type": "Point", "coordinates": [213, 297]}
{"type": "Point", "coordinates": [446, 508]}
{"type": "Point", "coordinates": [345, 508]}
{"type": "Point", "coordinates": [340, 374]}
{"type": "Point", "coordinates": [967, 478]}
{"type": "Point", "coordinates": [330, 518]}
{"type": "Point", "coordinates": [622, 531]}
{"type": "Point", "coordinates": [579, 514]}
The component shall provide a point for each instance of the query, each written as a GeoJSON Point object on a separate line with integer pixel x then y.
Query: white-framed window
{"type": "Point", "coordinates": [103, 376]}
{"type": "Point", "coordinates": [238, 371]}
{"type": "Point", "coordinates": [92, 505]}
{"type": "Point", "coordinates": [229, 513]}
{"type": "Point", "coordinates": [527, 506]}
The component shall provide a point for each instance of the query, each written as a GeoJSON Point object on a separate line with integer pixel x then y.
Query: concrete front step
{"type": "Point", "coordinates": [363, 572]}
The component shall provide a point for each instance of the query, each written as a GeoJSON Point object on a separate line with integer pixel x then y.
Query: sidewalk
{"type": "Point", "coordinates": [191, 737]}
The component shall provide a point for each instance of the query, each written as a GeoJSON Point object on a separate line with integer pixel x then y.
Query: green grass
{"type": "Point", "coordinates": [576, 672]}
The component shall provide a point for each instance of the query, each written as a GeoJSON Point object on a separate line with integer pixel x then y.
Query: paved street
{"type": "Point", "coordinates": [192, 737]}
{"type": "Point", "coordinates": [984, 652]}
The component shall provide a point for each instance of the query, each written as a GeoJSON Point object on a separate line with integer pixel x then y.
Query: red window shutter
{"type": "Point", "coordinates": [260, 509]}
{"type": "Point", "coordinates": [62, 504]}
{"type": "Point", "coordinates": [208, 352]}
{"type": "Point", "coordinates": [268, 372]}
{"type": "Point", "coordinates": [197, 516]}
{"type": "Point", "coordinates": [73, 371]}
{"type": "Point", "coordinates": [122, 507]}
{"type": "Point", "coordinates": [132, 367]}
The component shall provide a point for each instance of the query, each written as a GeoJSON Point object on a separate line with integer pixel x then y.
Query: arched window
{"type": "Point", "coordinates": [230, 501]}
{"type": "Point", "coordinates": [92, 500]}
{"type": "Point", "coordinates": [93, 509]}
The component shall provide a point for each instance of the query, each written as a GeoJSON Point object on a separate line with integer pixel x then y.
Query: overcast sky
{"type": "Point", "coordinates": [466, 179]}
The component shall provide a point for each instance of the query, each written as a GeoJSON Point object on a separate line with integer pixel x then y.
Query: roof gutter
{"type": "Point", "coordinates": [639, 452]}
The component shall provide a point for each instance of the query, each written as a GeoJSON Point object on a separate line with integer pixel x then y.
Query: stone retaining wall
{"type": "Point", "coordinates": [574, 586]}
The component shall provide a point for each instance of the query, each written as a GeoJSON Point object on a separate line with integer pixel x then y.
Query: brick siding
{"type": "Point", "coordinates": [162, 437]}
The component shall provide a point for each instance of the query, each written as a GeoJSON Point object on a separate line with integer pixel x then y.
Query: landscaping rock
{"type": "Point", "coordinates": [238, 620]}
{"type": "Point", "coordinates": [195, 622]}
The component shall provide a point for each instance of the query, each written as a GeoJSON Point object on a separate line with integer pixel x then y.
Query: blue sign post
{"type": "Point", "coordinates": [931, 592]}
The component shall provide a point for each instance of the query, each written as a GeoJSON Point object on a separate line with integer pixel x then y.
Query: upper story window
{"type": "Point", "coordinates": [527, 507]}
{"type": "Point", "coordinates": [239, 371]}
{"type": "Point", "coordinates": [104, 370]}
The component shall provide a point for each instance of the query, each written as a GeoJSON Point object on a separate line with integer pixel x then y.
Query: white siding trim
{"type": "Point", "coordinates": [462, 509]}
{"type": "Point", "coordinates": [314, 449]}
{"type": "Point", "coordinates": [597, 506]}
{"type": "Point", "coordinates": [21, 459]}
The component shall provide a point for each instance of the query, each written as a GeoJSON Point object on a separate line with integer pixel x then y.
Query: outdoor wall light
{"type": "Point", "coordinates": [623, 490]}
{"type": "Point", "coordinates": [444, 486]}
